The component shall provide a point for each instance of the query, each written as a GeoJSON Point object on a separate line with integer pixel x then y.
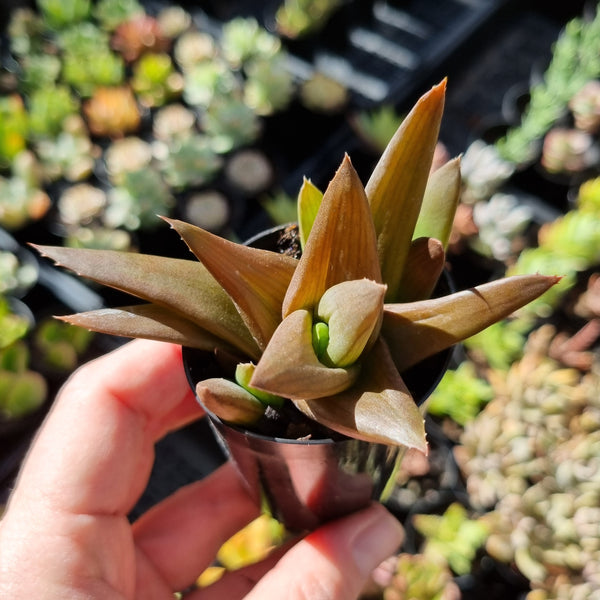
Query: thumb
{"type": "Point", "coordinates": [335, 561]}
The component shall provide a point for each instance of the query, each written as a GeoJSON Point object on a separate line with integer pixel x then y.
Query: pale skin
{"type": "Point", "coordinates": [65, 533]}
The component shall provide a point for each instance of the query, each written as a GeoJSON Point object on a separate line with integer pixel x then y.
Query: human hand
{"type": "Point", "coordinates": [65, 533]}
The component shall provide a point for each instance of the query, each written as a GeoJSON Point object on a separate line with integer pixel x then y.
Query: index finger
{"type": "Point", "coordinates": [98, 441]}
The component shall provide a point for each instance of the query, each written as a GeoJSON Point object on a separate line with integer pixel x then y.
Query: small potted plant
{"type": "Point", "coordinates": [303, 360]}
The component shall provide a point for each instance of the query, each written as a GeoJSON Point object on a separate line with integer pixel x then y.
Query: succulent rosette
{"type": "Point", "coordinates": [333, 331]}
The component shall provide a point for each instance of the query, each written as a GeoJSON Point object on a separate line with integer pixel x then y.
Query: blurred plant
{"type": "Point", "coordinates": [13, 325]}
{"type": "Point", "coordinates": [377, 126]}
{"type": "Point", "coordinates": [111, 13]}
{"type": "Point", "coordinates": [22, 390]}
{"type": "Point", "coordinates": [585, 107]}
{"type": "Point", "coordinates": [453, 537]}
{"type": "Point", "coordinates": [138, 35]}
{"type": "Point", "coordinates": [575, 60]}
{"type": "Point", "coordinates": [501, 344]}
{"type": "Point", "coordinates": [127, 154]}
{"type": "Point", "coordinates": [71, 154]}
{"type": "Point", "coordinates": [136, 201]}
{"type": "Point", "coordinates": [99, 238]}
{"type": "Point", "coordinates": [173, 121]}
{"type": "Point", "coordinates": [61, 345]}
{"type": "Point", "coordinates": [207, 80]}
{"type": "Point", "coordinates": [423, 577]}
{"type": "Point", "coordinates": [16, 275]}
{"type": "Point", "coordinates": [532, 454]}
{"type": "Point", "coordinates": [251, 544]}
{"type": "Point", "coordinates": [155, 80]}
{"type": "Point", "coordinates": [208, 209]}
{"type": "Point", "coordinates": [22, 198]}
{"type": "Point", "coordinates": [588, 196]}
{"type": "Point", "coordinates": [38, 71]}
{"type": "Point", "coordinates": [174, 21]}
{"type": "Point", "coordinates": [190, 161]}
{"type": "Point", "coordinates": [571, 243]}
{"type": "Point", "coordinates": [14, 128]}
{"type": "Point", "coordinates": [88, 61]}
{"type": "Point", "coordinates": [483, 171]}
{"type": "Point", "coordinates": [460, 394]}
{"type": "Point", "coordinates": [321, 93]}
{"type": "Point", "coordinates": [269, 85]}
{"type": "Point", "coordinates": [229, 124]}
{"type": "Point", "coordinates": [568, 151]}
{"type": "Point", "coordinates": [25, 28]}
{"type": "Point", "coordinates": [193, 47]}
{"type": "Point", "coordinates": [112, 112]}
{"type": "Point", "coordinates": [80, 204]}
{"type": "Point", "coordinates": [249, 170]}
{"type": "Point", "coordinates": [58, 14]}
{"type": "Point", "coordinates": [49, 106]}
{"type": "Point", "coordinates": [243, 39]}
{"type": "Point", "coordinates": [280, 207]}
{"type": "Point", "coordinates": [500, 222]}
{"type": "Point", "coordinates": [297, 18]}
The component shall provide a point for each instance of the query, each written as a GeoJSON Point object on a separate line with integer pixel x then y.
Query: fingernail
{"type": "Point", "coordinates": [378, 539]}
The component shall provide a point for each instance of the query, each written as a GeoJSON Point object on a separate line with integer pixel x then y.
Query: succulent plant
{"type": "Point", "coordinates": [243, 39]}
{"type": "Point", "coordinates": [111, 13]}
{"type": "Point", "coordinates": [173, 121]}
{"type": "Point", "coordinates": [25, 28]}
{"type": "Point", "coordinates": [80, 204]}
{"type": "Point", "coordinates": [295, 19]}
{"type": "Point", "coordinates": [193, 47]}
{"type": "Point", "coordinates": [568, 151]}
{"type": "Point", "coordinates": [99, 238]}
{"type": "Point", "coordinates": [206, 80]}
{"type": "Point", "coordinates": [14, 128]}
{"type": "Point", "coordinates": [58, 14]}
{"type": "Point", "coordinates": [22, 198]}
{"type": "Point", "coordinates": [328, 331]}
{"type": "Point", "coordinates": [460, 394]}
{"type": "Point", "coordinates": [16, 275]}
{"type": "Point", "coordinates": [38, 71]}
{"type": "Point", "coordinates": [585, 107]}
{"type": "Point", "coordinates": [532, 456]}
{"type": "Point", "coordinates": [21, 389]}
{"type": "Point", "coordinates": [452, 537]}
{"type": "Point", "coordinates": [269, 85]}
{"type": "Point", "coordinates": [127, 154]}
{"type": "Point", "coordinates": [208, 209]}
{"type": "Point", "coordinates": [71, 154]}
{"type": "Point", "coordinates": [190, 161]}
{"type": "Point", "coordinates": [322, 93]}
{"type": "Point", "coordinates": [155, 80]}
{"type": "Point", "coordinates": [139, 34]}
{"type": "Point", "coordinates": [14, 326]}
{"type": "Point", "coordinates": [61, 345]}
{"type": "Point", "coordinates": [174, 21]}
{"type": "Point", "coordinates": [112, 112]}
{"type": "Point", "coordinates": [376, 127]}
{"type": "Point", "coordinates": [423, 577]}
{"type": "Point", "coordinates": [501, 221]}
{"type": "Point", "coordinates": [230, 124]}
{"type": "Point", "coordinates": [48, 108]}
{"type": "Point", "coordinates": [134, 203]}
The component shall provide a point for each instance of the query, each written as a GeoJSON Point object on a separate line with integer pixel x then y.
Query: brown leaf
{"type": "Point", "coordinates": [397, 184]}
{"type": "Point", "coordinates": [424, 265]}
{"type": "Point", "coordinates": [255, 279]}
{"type": "Point", "coordinates": [341, 245]}
{"type": "Point", "coordinates": [378, 408]}
{"type": "Point", "coordinates": [230, 402]}
{"type": "Point", "coordinates": [148, 321]}
{"type": "Point", "coordinates": [417, 330]}
{"type": "Point", "coordinates": [184, 286]}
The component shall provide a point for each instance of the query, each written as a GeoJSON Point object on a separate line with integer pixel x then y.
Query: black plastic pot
{"type": "Point", "coordinates": [306, 482]}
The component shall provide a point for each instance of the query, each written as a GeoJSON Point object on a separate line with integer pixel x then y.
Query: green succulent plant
{"type": "Point", "coordinates": [333, 331]}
